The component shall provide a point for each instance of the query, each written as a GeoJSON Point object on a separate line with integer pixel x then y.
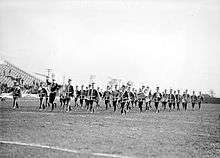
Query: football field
{"type": "Point", "coordinates": [28, 132]}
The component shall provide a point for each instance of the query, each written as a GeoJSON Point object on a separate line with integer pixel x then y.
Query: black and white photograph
{"type": "Point", "coordinates": [109, 78]}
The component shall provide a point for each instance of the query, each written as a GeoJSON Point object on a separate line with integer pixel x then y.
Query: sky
{"type": "Point", "coordinates": [166, 43]}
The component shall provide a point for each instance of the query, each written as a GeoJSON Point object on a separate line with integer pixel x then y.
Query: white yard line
{"type": "Point", "coordinates": [62, 149]}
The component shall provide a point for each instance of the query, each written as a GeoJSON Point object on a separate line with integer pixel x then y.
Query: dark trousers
{"type": "Point", "coordinates": [67, 101]}
{"type": "Point", "coordinates": [184, 106]}
{"type": "Point", "coordinates": [178, 105]}
{"type": "Point", "coordinates": [46, 101]}
{"type": "Point", "coordinates": [164, 105]}
{"type": "Point", "coordinates": [52, 97]}
{"type": "Point", "coordinates": [170, 105]}
{"type": "Point", "coordinates": [76, 101]}
{"type": "Point", "coordinates": [41, 103]}
{"type": "Point", "coordinates": [147, 106]}
{"type": "Point", "coordinates": [140, 104]}
{"type": "Point", "coordinates": [97, 104]}
{"type": "Point", "coordinates": [15, 103]}
{"type": "Point", "coordinates": [156, 104]}
{"type": "Point", "coordinates": [174, 105]}
{"type": "Point", "coordinates": [122, 107]}
{"type": "Point", "coordinates": [107, 104]}
{"type": "Point", "coordinates": [135, 102]}
{"type": "Point", "coordinates": [52, 106]}
{"type": "Point", "coordinates": [62, 102]}
{"type": "Point", "coordinates": [51, 100]}
{"type": "Point", "coordinates": [114, 105]}
{"type": "Point", "coordinates": [199, 103]}
{"type": "Point", "coordinates": [128, 105]}
{"type": "Point", "coordinates": [87, 104]}
{"type": "Point", "coordinates": [193, 105]}
{"type": "Point", "coordinates": [81, 102]}
{"type": "Point", "coordinates": [132, 103]}
{"type": "Point", "coordinates": [91, 108]}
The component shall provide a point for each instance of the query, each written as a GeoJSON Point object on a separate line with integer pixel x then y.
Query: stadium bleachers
{"type": "Point", "coordinates": [8, 73]}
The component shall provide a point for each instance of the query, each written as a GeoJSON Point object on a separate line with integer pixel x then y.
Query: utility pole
{"type": "Point", "coordinates": [63, 79]}
{"type": "Point", "coordinates": [48, 72]}
{"type": "Point", "coordinates": [119, 82]}
{"type": "Point", "coordinates": [92, 79]}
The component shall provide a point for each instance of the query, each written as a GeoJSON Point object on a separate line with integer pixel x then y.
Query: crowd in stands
{"type": "Point", "coordinates": [10, 73]}
{"type": "Point", "coordinates": [27, 88]}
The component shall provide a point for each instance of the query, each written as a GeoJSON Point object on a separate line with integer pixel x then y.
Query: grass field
{"type": "Point", "coordinates": [26, 132]}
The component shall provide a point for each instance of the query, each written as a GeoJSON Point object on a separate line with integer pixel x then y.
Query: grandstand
{"type": "Point", "coordinates": [10, 72]}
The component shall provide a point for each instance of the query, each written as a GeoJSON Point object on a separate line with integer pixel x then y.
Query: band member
{"type": "Point", "coordinates": [77, 94]}
{"type": "Point", "coordinates": [87, 97]}
{"type": "Point", "coordinates": [150, 96]}
{"type": "Point", "coordinates": [99, 96]}
{"type": "Point", "coordinates": [69, 95]}
{"type": "Point", "coordinates": [120, 97]}
{"type": "Point", "coordinates": [147, 98]}
{"type": "Point", "coordinates": [188, 98]}
{"type": "Point", "coordinates": [132, 97]}
{"type": "Point", "coordinates": [185, 100]}
{"type": "Point", "coordinates": [62, 97]}
{"type": "Point", "coordinates": [100, 92]}
{"type": "Point", "coordinates": [93, 96]}
{"type": "Point", "coordinates": [178, 100]}
{"type": "Point", "coordinates": [82, 96]}
{"type": "Point", "coordinates": [115, 98]}
{"type": "Point", "coordinates": [48, 92]}
{"type": "Point", "coordinates": [124, 99]}
{"type": "Point", "coordinates": [174, 103]}
{"type": "Point", "coordinates": [106, 97]}
{"type": "Point", "coordinates": [156, 98]}
{"type": "Point", "coordinates": [164, 99]}
{"type": "Point", "coordinates": [16, 93]}
{"type": "Point", "coordinates": [200, 99]}
{"type": "Point", "coordinates": [42, 94]}
{"type": "Point", "coordinates": [52, 95]}
{"type": "Point", "coordinates": [135, 97]}
{"type": "Point", "coordinates": [171, 99]}
{"type": "Point", "coordinates": [129, 98]}
{"type": "Point", "coordinates": [141, 98]}
{"type": "Point", "coordinates": [193, 100]}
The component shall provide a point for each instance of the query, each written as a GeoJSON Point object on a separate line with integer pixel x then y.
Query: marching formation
{"type": "Point", "coordinates": [123, 98]}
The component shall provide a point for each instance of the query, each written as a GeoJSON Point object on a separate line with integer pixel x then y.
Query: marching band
{"type": "Point", "coordinates": [122, 97]}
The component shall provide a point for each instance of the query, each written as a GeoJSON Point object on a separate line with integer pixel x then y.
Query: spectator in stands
{"type": "Point", "coordinates": [18, 79]}
{"type": "Point", "coordinates": [22, 81]}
